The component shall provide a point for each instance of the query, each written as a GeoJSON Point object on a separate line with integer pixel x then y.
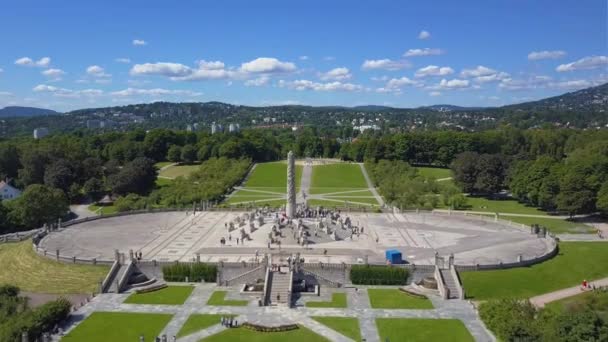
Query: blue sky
{"type": "Point", "coordinates": [72, 54]}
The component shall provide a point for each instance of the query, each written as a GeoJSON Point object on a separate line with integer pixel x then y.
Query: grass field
{"type": "Point", "coordinates": [338, 300]}
{"type": "Point", "coordinates": [118, 327]}
{"type": "Point", "coordinates": [272, 175]}
{"type": "Point", "coordinates": [179, 171]}
{"type": "Point", "coordinates": [396, 299]}
{"type": "Point", "coordinates": [576, 261]}
{"type": "Point", "coordinates": [160, 165]}
{"type": "Point", "coordinates": [172, 295]}
{"type": "Point", "coordinates": [105, 209]}
{"type": "Point", "coordinates": [333, 204]}
{"type": "Point", "coordinates": [435, 172]}
{"type": "Point", "coordinates": [218, 298]}
{"type": "Point", "coordinates": [501, 206]}
{"type": "Point", "coordinates": [328, 178]}
{"type": "Point", "coordinates": [198, 322]}
{"type": "Point", "coordinates": [423, 330]}
{"type": "Point", "coordinates": [241, 334]}
{"type": "Point", "coordinates": [368, 200]}
{"type": "Point", "coordinates": [556, 226]}
{"type": "Point", "coordinates": [22, 267]}
{"type": "Point", "coordinates": [347, 326]}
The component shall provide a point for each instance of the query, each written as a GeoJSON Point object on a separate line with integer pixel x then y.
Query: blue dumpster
{"type": "Point", "coordinates": [394, 256]}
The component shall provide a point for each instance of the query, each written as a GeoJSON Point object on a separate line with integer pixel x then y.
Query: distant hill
{"type": "Point", "coordinates": [16, 111]}
{"type": "Point", "coordinates": [450, 108]}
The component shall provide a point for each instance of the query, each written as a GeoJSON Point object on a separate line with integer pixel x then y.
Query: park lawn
{"type": "Point", "coordinates": [333, 204]}
{"type": "Point", "coordinates": [241, 334]}
{"type": "Point", "coordinates": [435, 172]}
{"type": "Point", "coordinates": [22, 267]}
{"type": "Point", "coordinates": [352, 200]}
{"type": "Point", "coordinates": [105, 209]}
{"type": "Point", "coordinates": [171, 295]}
{"type": "Point", "coordinates": [338, 175]}
{"type": "Point", "coordinates": [218, 298]}
{"type": "Point", "coordinates": [249, 202]}
{"type": "Point", "coordinates": [272, 175]}
{"type": "Point", "coordinates": [338, 300]}
{"type": "Point", "coordinates": [500, 206]}
{"type": "Point", "coordinates": [396, 299]}
{"type": "Point", "coordinates": [161, 182]}
{"type": "Point", "coordinates": [418, 329]}
{"type": "Point", "coordinates": [557, 226]}
{"type": "Point", "coordinates": [198, 322]}
{"type": "Point", "coordinates": [118, 327]}
{"type": "Point", "coordinates": [160, 165]}
{"type": "Point", "coordinates": [179, 171]}
{"type": "Point", "coordinates": [575, 262]}
{"type": "Point", "coordinates": [348, 192]}
{"type": "Point", "coordinates": [347, 326]}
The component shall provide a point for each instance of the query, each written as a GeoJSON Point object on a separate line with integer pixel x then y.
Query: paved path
{"type": "Point", "coordinates": [305, 183]}
{"type": "Point", "coordinates": [371, 186]}
{"type": "Point", "coordinates": [81, 210]}
{"type": "Point", "coordinates": [540, 301]}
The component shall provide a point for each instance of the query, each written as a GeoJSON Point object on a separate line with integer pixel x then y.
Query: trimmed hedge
{"type": "Point", "coordinates": [263, 328]}
{"type": "Point", "coordinates": [195, 273]}
{"type": "Point", "coordinates": [378, 275]}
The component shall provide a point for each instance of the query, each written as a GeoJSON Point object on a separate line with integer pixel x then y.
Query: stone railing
{"type": "Point", "coordinates": [457, 281]}
{"type": "Point", "coordinates": [244, 277]}
{"type": "Point", "coordinates": [106, 283]}
{"type": "Point", "coordinates": [19, 236]}
{"type": "Point", "coordinates": [443, 292]}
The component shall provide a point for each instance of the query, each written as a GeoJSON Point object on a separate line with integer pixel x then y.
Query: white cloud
{"type": "Point", "coordinates": [329, 58]}
{"type": "Point", "coordinates": [423, 52]}
{"type": "Point", "coordinates": [451, 84]}
{"type": "Point", "coordinates": [433, 70]}
{"type": "Point", "coordinates": [68, 93]}
{"type": "Point", "coordinates": [207, 74]}
{"type": "Point", "coordinates": [43, 62]}
{"type": "Point", "coordinates": [303, 58]}
{"type": "Point", "coordinates": [267, 65]}
{"type": "Point", "coordinates": [538, 55]}
{"type": "Point", "coordinates": [123, 60]}
{"type": "Point", "coordinates": [210, 65]}
{"type": "Point", "coordinates": [533, 82]}
{"type": "Point", "coordinates": [380, 78]}
{"type": "Point", "coordinates": [586, 63]}
{"type": "Point", "coordinates": [337, 74]}
{"type": "Point", "coordinates": [153, 92]}
{"type": "Point", "coordinates": [162, 69]}
{"type": "Point", "coordinates": [482, 74]}
{"type": "Point", "coordinates": [400, 82]}
{"type": "Point", "coordinates": [258, 82]}
{"type": "Point", "coordinates": [424, 35]}
{"type": "Point", "coordinates": [6, 94]}
{"type": "Point", "coordinates": [97, 71]}
{"type": "Point", "coordinates": [54, 74]}
{"type": "Point", "coordinates": [139, 42]}
{"type": "Point", "coordinates": [385, 64]}
{"type": "Point", "coordinates": [571, 85]}
{"type": "Point", "coordinates": [317, 86]}
{"type": "Point", "coordinates": [435, 93]}
{"type": "Point", "coordinates": [499, 76]}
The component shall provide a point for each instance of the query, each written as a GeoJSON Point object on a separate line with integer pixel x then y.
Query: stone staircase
{"type": "Point", "coordinates": [450, 284]}
{"type": "Point", "coordinates": [280, 286]}
{"type": "Point", "coordinates": [117, 276]}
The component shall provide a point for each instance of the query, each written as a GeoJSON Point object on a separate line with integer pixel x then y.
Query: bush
{"type": "Point", "coordinates": [193, 272]}
{"type": "Point", "coordinates": [378, 275]}
{"type": "Point", "coordinates": [35, 322]}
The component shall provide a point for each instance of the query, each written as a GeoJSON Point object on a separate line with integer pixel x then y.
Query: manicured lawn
{"type": "Point", "coordinates": [241, 334]}
{"type": "Point", "coordinates": [333, 204]}
{"type": "Point", "coordinates": [423, 330]}
{"type": "Point", "coordinates": [353, 200]}
{"type": "Point", "coordinates": [396, 299]}
{"type": "Point", "coordinates": [22, 267]}
{"type": "Point", "coordinates": [338, 300]}
{"type": "Point", "coordinates": [345, 192]}
{"type": "Point", "coordinates": [326, 178]}
{"type": "Point", "coordinates": [179, 171]}
{"type": "Point", "coordinates": [105, 209]}
{"type": "Point", "coordinates": [556, 226]}
{"type": "Point", "coordinates": [160, 165]}
{"type": "Point", "coordinates": [198, 322]}
{"type": "Point", "coordinates": [118, 327]}
{"type": "Point", "coordinates": [347, 326]}
{"type": "Point", "coordinates": [272, 175]}
{"type": "Point", "coordinates": [435, 172]}
{"type": "Point", "coordinates": [258, 203]}
{"type": "Point", "coordinates": [218, 298]}
{"type": "Point", "coordinates": [500, 206]}
{"type": "Point", "coordinates": [171, 295]}
{"type": "Point", "coordinates": [575, 262]}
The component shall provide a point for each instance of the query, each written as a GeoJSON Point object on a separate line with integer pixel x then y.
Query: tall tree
{"type": "Point", "coordinates": [37, 205]}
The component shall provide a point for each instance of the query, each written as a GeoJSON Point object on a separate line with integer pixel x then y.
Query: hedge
{"type": "Point", "coordinates": [196, 272]}
{"type": "Point", "coordinates": [378, 275]}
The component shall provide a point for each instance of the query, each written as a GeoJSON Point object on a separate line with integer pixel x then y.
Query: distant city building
{"type": "Point", "coordinates": [93, 124]}
{"type": "Point", "coordinates": [216, 128]}
{"type": "Point", "coordinates": [363, 128]}
{"type": "Point", "coordinates": [8, 192]}
{"type": "Point", "coordinates": [234, 128]}
{"type": "Point", "coordinates": [41, 132]}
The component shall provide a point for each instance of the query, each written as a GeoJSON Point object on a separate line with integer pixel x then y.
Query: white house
{"type": "Point", "coordinates": [8, 192]}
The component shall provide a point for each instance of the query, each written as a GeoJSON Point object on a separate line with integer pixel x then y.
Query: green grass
{"type": "Point", "coordinates": [368, 200]}
{"type": "Point", "coordinates": [333, 204]}
{"type": "Point", "coordinates": [575, 262]}
{"type": "Point", "coordinates": [338, 300]}
{"type": "Point", "coordinates": [105, 209]}
{"type": "Point", "coordinates": [500, 206]}
{"type": "Point", "coordinates": [396, 299]}
{"type": "Point", "coordinates": [423, 330]}
{"type": "Point", "coordinates": [241, 334]}
{"type": "Point", "coordinates": [347, 326]}
{"type": "Point", "coordinates": [557, 226]}
{"type": "Point", "coordinates": [351, 192]}
{"type": "Point", "coordinates": [161, 182]}
{"type": "Point", "coordinates": [118, 327]}
{"type": "Point", "coordinates": [590, 300]}
{"type": "Point", "coordinates": [328, 178]}
{"type": "Point", "coordinates": [272, 175]}
{"type": "Point", "coordinates": [270, 203]}
{"type": "Point", "coordinates": [160, 165]}
{"type": "Point", "coordinates": [179, 171]}
{"type": "Point", "coordinates": [198, 322]}
{"type": "Point", "coordinates": [22, 267]}
{"type": "Point", "coordinates": [171, 295]}
{"type": "Point", "coordinates": [435, 172]}
{"type": "Point", "coordinates": [218, 298]}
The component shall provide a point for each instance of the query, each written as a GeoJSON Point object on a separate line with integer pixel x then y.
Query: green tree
{"type": "Point", "coordinates": [136, 177]}
{"type": "Point", "coordinates": [93, 188]}
{"type": "Point", "coordinates": [37, 205]}
{"type": "Point", "coordinates": [188, 154]}
{"type": "Point", "coordinates": [602, 199]}
{"type": "Point", "coordinates": [59, 175]}
{"type": "Point", "coordinates": [174, 154]}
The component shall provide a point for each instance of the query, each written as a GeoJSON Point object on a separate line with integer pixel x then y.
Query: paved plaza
{"type": "Point", "coordinates": [181, 235]}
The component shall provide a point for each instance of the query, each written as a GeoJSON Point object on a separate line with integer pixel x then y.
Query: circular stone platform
{"type": "Point", "coordinates": [180, 236]}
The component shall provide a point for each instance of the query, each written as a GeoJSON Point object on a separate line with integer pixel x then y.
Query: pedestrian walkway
{"type": "Point", "coordinates": [542, 300]}
{"type": "Point", "coordinates": [371, 186]}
